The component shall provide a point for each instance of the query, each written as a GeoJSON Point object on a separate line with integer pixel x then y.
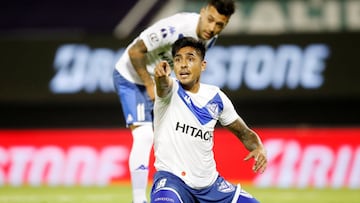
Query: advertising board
{"type": "Point", "coordinates": [302, 75]}
{"type": "Point", "coordinates": [297, 157]}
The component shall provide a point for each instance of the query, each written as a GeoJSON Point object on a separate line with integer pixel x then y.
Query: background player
{"type": "Point", "coordinates": [134, 83]}
{"type": "Point", "coordinates": [185, 114]}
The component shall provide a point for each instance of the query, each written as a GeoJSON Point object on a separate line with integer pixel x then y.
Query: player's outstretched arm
{"type": "Point", "coordinates": [252, 143]}
{"type": "Point", "coordinates": [138, 59]}
{"type": "Point", "coordinates": [162, 78]}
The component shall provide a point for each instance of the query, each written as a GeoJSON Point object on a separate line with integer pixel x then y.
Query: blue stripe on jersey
{"type": "Point", "coordinates": [207, 113]}
{"type": "Point", "coordinates": [211, 43]}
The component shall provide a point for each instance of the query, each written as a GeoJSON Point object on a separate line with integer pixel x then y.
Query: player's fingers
{"type": "Point", "coordinates": [262, 168]}
{"type": "Point", "coordinates": [161, 69]}
{"type": "Point", "coordinates": [165, 66]}
{"type": "Point", "coordinates": [256, 166]}
{"type": "Point", "coordinates": [248, 156]}
{"type": "Point", "coordinates": [260, 165]}
{"type": "Point", "coordinates": [168, 70]}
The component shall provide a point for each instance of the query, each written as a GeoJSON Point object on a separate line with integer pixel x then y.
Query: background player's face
{"type": "Point", "coordinates": [211, 23]}
{"type": "Point", "coordinates": [188, 66]}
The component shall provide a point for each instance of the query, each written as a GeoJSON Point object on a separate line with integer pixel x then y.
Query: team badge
{"type": "Point", "coordinates": [213, 109]}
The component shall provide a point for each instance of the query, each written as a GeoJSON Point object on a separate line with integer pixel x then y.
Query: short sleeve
{"type": "Point", "coordinates": [229, 114]}
{"type": "Point", "coordinates": [162, 33]}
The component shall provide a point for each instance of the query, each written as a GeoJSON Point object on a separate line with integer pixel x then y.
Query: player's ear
{"type": "Point", "coordinates": [203, 65]}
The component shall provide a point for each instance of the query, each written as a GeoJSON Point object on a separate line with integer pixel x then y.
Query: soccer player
{"type": "Point", "coordinates": [185, 114]}
{"type": "Point", "coordinates": [134, 82]}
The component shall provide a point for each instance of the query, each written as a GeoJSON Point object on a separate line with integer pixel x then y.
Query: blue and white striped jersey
{"type": "Point", "coordinates": [184, 123]}
{"type": "Point", "coordinates": [158, 40]}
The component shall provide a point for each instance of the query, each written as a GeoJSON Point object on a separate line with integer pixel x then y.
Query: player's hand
{"type": "Point", "coordinates": [162, 80]}
{"type": "Point", "coordinates": [162, 69]}
{"type": "Point", "coordinates": [260, 158]}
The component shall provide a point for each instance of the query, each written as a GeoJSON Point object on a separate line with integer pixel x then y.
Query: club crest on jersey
{"type": "Point", "coordinates": [213, 109]}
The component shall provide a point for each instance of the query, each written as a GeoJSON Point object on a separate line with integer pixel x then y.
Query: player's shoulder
{"type": "Point", "coordinates": [184, 16]}
{"type": "Point", "coordinates": [187, 14]}
{"type": "Point", "coordinates": [210, 88]}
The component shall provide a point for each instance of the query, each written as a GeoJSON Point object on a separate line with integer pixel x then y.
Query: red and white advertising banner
{"type": "Point", "coordinates": [297, 157]}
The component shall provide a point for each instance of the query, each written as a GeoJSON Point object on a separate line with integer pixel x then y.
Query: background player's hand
{"type": "Point", "coordinates": [259, 155]}
{"type": "Point", "coordinates": [162, 69]}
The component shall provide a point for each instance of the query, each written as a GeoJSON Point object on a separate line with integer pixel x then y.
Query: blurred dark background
{"type": "Point", "coordinates": [57, 59]}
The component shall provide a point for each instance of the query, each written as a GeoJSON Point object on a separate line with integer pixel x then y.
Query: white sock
{"type": "Point", "coordinates": [139, 161]}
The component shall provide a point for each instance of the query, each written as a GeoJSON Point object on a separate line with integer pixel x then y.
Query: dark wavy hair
{"type": "Point", "coordinates": [224, 7]}
{"type": "Point", "coordinates": [189, 42]}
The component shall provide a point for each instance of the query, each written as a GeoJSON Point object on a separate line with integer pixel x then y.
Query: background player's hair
{"type": "Point", "coordinates": [189, 42]}
{"type": "Point", "coordinates": [224, 7]}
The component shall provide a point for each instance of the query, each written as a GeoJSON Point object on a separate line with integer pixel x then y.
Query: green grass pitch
{"type": "Point", "coordinates": [121, 193]}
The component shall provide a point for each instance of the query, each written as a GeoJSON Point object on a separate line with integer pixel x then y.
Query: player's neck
{"type": "Point", "coordinates": [193, 88]}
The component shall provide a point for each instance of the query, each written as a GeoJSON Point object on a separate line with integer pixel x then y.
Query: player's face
{"type": "Point", "coordinates": [211, 23]}
{"type": "Point", "coordinates": [188, 66]}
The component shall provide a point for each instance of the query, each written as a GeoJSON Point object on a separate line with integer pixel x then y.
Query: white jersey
{"type": "Point", "coordinates": [158, 40]}
{"type": "Point", "coordinates": [183, 139]}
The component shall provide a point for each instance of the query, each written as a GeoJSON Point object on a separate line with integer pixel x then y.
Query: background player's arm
{"type": "Point", "coordinates": [251, 142]}
{"type": "Point", "coordinates": [138, 59]}
{"type": "Point", "coordinates": [162, 78]}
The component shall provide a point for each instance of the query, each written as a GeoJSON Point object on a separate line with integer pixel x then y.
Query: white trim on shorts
{"type": "Point", "coordinates": [171, 189]}
{"type": "Point", "coordinates": [237, 193]}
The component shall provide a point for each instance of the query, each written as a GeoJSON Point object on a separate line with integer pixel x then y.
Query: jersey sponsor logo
{"type": "Point", "coordinates": [167, 31]}
{"type": "Point", "coordinates": [153, 38]}
{"type": "Point", "coordinates": [172, 29]}
{"type": "Point", "coordinates": [164, 33]}
{"type": "Point", "coordinates": [194, 132]}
